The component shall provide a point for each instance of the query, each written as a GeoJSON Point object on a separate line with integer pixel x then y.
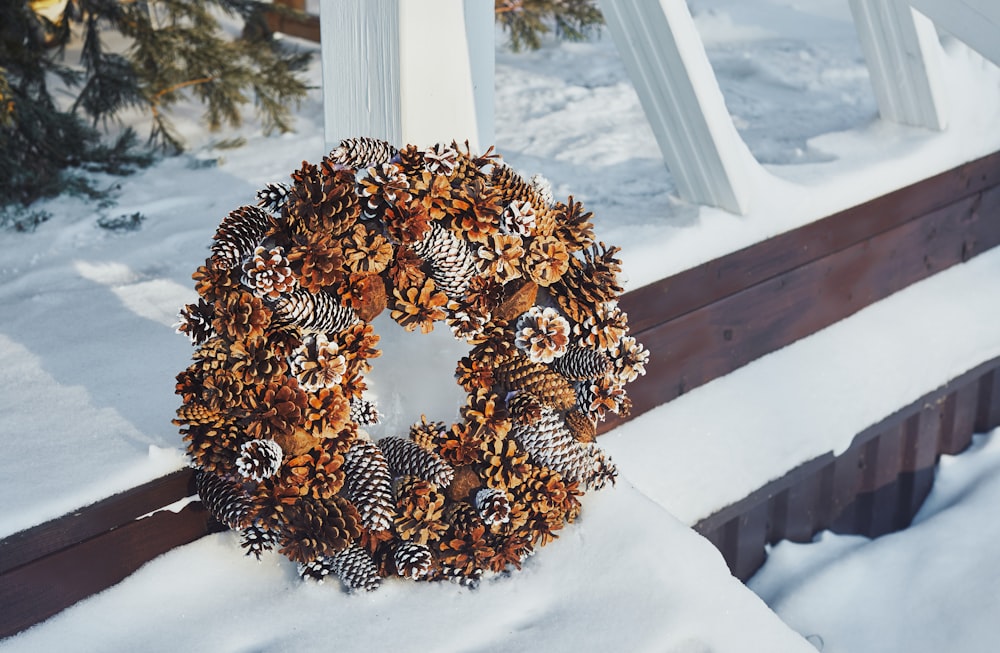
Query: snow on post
{"type": "Point", "coordinates": [666, 60]}
{"type": "Point", "coordinates": [976, 22]}
{"type": "Point", "coordinates": [903, 54]}
{"type": "Point", "coordinates": [408, 71]}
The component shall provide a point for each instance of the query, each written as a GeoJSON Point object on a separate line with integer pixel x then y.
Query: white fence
{"type": "Point", "coordinates": [401, 70]}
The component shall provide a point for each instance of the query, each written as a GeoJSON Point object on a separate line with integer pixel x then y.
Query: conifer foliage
{"type": "Point", "coordinates": [528, 20]}
{"type": "Point", "coordinates": [274, 402]}
{"type": "Point", "coordinates": [146, 55]}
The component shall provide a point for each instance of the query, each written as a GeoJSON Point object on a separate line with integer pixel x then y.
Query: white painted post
{"type": "Point", "coordinates": [903, 54]}
{"type": "Point", "coordinates": [976, 22]}
{"type": "Point", "coordinates": [408, 71]}
{"type": "Point", "coordinates": [666, 60]}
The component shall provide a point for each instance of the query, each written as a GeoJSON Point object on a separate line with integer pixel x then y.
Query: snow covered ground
{"type": "Point", "coordinates": [88, 357]}
{"type": "Point", "coordinates": [933, 587]}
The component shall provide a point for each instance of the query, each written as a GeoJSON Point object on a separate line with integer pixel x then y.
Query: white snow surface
{"type": "Point", "coordinates": [625, 577]}
{"type": "Point", "coordinates": [88, 357]}
{"type": "Point", "coordinates": [930, 588]}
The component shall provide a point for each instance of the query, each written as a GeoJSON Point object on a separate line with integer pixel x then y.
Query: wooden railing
{"type": "Point", "coordinates": [701, 324]}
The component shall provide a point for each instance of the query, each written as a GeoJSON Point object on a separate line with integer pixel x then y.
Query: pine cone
{"type": "Point", "coordinates": [602, 470]}
{"type": "Point", "coordinates": [268, 273]}
{"type": "Point", "coordinates": [362, 152]}
{"type": "Point", "coordinates": [318, 527]}
{"type": "Point", "coordinates": [406, 457]}
{"type": "Point", "coordinates": [493, 506]}
{"type": "Point", "coordinates": [322, 201]}
{"type": "Point", "coordinates": [225, 500]}
{"type": "Point", "coordinates": [427, 434]}
{"type": "Point", "coordinates": [419, 510]}
{"type": "Point", "coordinates": [572, 226]}
{"type": "Point", "coordinates": [369, 486]}
{"type": "Point", "coordinates": [413, 560]}
{"type": "Point", "coordinates": [542, 334]}
{"type": "Point", "coordinates": [318, 363]}
{"type": "Point", "coordinates": [550, 443]}
{"type": "Point", "coordinates": [580, 363]}
{"type": "Point", "coordinates": [364, 412]}
{"type": "Point", "coordinates": [505, 465]}
{"type": "Point", "coordinates": [629, 359]}
{"type": "Point", "coordinates": [588, 284]}
{"type": "Point", "coordinates": [259, 459]}
{"type": "Point", "coordinates": [462, 516]}
{"type": "Point", "coordinates": [452, 261]}
{"type": "Point", "coordinates": [519, 374]}
{"type": "Point", "coordinates": [317, 569]}
{"type": "Point", "coordinates": [583, 428]}
{"type": "Point", "coordinates": [241, 316]}
{"type": "Point", "coordinates": [513, 188]}
{"type": "Point", "coordinates": [212, 446]}
{"type": "Point", "coordinates": [604, 328]}
{"type": "Point", "coordinates": [256, 540]}
{"type": "Point", "coordinates": [272, 197]}
{"type": "Point", "coordinates": [196, 321]}
{"type": "Point", "coordinates": [196, 412]}
{"type": "Point", "coordinates": [466, 554]}
{"type": "Point", "coordinates": [238, 235]}
{"type": "Point", "coordinates": [313, 313]}
{"type": "Point", "coordinates": [355, 568]}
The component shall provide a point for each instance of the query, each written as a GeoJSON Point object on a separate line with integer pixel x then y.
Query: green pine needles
{"type": "Point", "coordinates": [149, 55]}
{"type": "Point", "coordinates": [527, 21]}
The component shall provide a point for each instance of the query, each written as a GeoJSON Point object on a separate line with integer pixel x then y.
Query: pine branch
{"type": "Point", "coordinates": [527, 21]}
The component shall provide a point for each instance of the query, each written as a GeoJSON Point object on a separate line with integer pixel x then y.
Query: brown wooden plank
{"type": "Point", "coordinates": [751, 552]}
{"type": "Point", "coordinates": [777, 516]}
{"type": "Point", "coordinates": [710, 282]}
{"type": "Point", "coordinates": [805, 507]}
{"type": "Point", "coordinates": [85, 523]}
{"type": "Point", "coordinates": [854, 492]}
{"type": "Point", "coordinates": [959, 437]}
{"type": "Point", "coordinates": [300, 26]}
{"type": "Point", "coordinates": [35, 591]}
{"type": "Point", "coordinates": [716, 339]}
{"type": "Point", "coordinates": [988, 409]}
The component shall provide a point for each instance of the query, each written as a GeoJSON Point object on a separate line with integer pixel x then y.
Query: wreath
{"type": "Point", "coordinates": [274, 402]}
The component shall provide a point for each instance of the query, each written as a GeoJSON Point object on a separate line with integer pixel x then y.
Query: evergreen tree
{"type": "Point", "coordinates": [528, 20]}
{"type": "Point", "coordinates": [164, 51]}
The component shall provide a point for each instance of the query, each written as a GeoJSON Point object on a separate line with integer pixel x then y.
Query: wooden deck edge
{"type": "Point", "coordinates": [703, 323]}
{"type": "Point", "coordinates": [840, 264]}
{"type": "Point", "coordinates": [875, 487]}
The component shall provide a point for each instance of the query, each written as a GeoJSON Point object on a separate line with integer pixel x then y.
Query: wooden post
{"type": "Point", "coordinates": [408, 71]}
{"type": "Point", "coordinates": [903, 54]}
{"type": "Point", "coordinates": [976, 22]}
{"type": "Point", "coordinates": [666, 60]}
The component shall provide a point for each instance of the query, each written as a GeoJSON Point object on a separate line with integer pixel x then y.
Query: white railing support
{"type": "Point", "coordinates": [903, 54]}
{"type": "Point", "coordinates": [680, 95]}
{"type": "Point", "coordinates": [408, 71]}
{"type": "Point", "coordinates": [976, 22]}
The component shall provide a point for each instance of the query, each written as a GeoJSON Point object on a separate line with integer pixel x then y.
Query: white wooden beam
{"type": "Point", "coordinates": [903, 54]}
{"type": "Point", "coordinates": [976, 22]}
{"type": "Point", "coordinates": [408, 71]}
{"type": "Point", "coordinates": [680, 95]}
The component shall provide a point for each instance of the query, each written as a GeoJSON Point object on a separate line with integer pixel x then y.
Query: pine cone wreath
{"type": "Point", "coordinates": [274, 402]}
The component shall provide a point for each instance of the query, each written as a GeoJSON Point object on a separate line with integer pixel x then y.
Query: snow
{"type": "Point", "coordinates": [837, 382]}
{"type": "Point", "coordinates": [88, 357]}
{"type": "Point", "coordinates": [652, 586]}
{"type": "Point", "coordinates": [939, 577]}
